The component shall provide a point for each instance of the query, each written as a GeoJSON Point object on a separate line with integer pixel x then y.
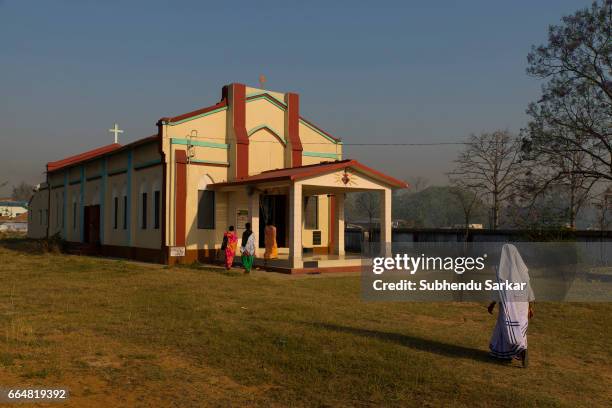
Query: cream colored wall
{"type": "Point", "coordinates": [145, 154]}
{"type": "Point", "coordinates": [146, 180]}
{"type": "Point", "coordinates": [212, 127]}
{"type": "Point", "coordinates": [56, 211]}
{"type": "Point", "coordinates": [93, 168]}
{"type": "Point", "coordinates": [209, 154]}
{"type": "Point", "coordinates": [262, 112]}
{"type": "Point", "coordinates": [197, 176]}
{"type": "Point", "coordinates": [115, 186]}
{"type": "Point", "coordinates": [357, 181]}
{"type": "Point", "coordinates": [314, 142]}
{"type": "Point", "coordinates": [73, 227]}
{"type": "Point", "coordinates": [37, 227]}
{"type": "Point", "coordinates": [306, 160]}
{"type": "Point", "coordinates": [236, 200]}
{"type": "Point", "coordinates": [266, 152]}
{"type": "Point", "coordinates": [253, 91]}
{"type": "Point", "coordinates": [117, 162]}
{"type": "Point", "coordinates": [323, 214]}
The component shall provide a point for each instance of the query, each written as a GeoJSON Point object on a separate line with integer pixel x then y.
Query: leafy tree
{"type": "Point", "coordinates": [572, 121]}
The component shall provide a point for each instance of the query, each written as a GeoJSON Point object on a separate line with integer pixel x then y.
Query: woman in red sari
{"type": "Point", "coordinates": [229, 243]}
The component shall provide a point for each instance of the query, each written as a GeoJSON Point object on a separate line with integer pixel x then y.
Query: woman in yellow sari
{"type": "Point", "coordinates": [270, 240]}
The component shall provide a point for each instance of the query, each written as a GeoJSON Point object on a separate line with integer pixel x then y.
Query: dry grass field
{"type": "Point", "coordinates": [118, 333]}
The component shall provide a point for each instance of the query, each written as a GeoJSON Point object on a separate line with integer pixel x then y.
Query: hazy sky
{"type": "Point", "coordinates": [382, 71]}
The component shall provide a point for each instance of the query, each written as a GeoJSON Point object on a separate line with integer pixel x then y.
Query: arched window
{"type": "Point", "coordinates": [125, 206]}
{"type": "Point", "coordinates": [57, 209]}
{"type": "Point", "coordinates": [115, 208]}
{"type": "Point", "coordinates": [156, 194]}
{"type": "Point", "coordinates": [63, 207]}
{"type": "Point", "coordinates": [74, 213]}
{"type": "Point", "coordinates": [206, 204]}
{"type": "Point", "coordinates": [143, 205]}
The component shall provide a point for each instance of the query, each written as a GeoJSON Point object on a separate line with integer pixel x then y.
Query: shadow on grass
{"type": "Point", "coordinates": [417, 343]}
{"type": "Point", "coordinates": [20, 243]}
{"type": "Point", "coordinates": [221, 270]}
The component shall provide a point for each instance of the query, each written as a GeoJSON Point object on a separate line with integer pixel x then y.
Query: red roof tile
{"type": "Point", "coordinates": [301, 172]}
{"type": "Point", "coordinates": [95, 153]}
{"type": "Point", "coordinates": [201, 111]}
{"type": "Point", "coordinates": [68, 161]}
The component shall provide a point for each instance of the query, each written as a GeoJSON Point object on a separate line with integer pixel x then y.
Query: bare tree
{"type": "Point", "coordinates": [369, 203]}
{"type": "Point", "coordinates": [559, 173]}
{"type": "Point", "coordinates": [22, 192]}
{"type": "Point", "coordinates": [489, 167]}
{"type": "Point", "coordinates": [603, 204]}
{"type": "Point", "coordinates": [468, 201]}
{"type": "Point", "coordinates": [417, 183]}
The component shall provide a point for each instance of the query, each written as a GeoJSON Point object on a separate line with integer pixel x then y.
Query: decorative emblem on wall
{"type": "Point", "coordinates": [346, 178]}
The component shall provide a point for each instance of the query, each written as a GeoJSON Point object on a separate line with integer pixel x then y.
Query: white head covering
{"type": "Point", "coordinates": [510, 334]}
{"type": "Point", "coordinates": [513, 269]}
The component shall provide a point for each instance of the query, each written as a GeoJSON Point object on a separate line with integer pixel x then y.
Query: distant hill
{"type": "Point", "coordinates": [433, 207]}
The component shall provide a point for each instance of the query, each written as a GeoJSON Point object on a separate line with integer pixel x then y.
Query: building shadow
{"type": "Point", "coordinates": [21, 243]}
{"type": "Point", "coordinates": [413, 342]}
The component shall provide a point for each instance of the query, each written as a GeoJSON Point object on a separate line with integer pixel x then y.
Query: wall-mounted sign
{"type": "Point", "coordinates": [242, 217]}
{"type": "Point", "coordinates": [177, 251]}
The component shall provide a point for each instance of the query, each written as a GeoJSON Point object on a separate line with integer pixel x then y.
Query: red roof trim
{"type": "Point", "coordinates": [71, 160]}
{"type": "Point", "coordinates": [96, 154]}
{"type": "Point", "coordinates": [221, 104]}
{"type": "Point", "coordinates": [301, 172]}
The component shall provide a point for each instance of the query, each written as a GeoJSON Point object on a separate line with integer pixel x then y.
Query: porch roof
{"type": "Point", "coordinates": [302, 172]}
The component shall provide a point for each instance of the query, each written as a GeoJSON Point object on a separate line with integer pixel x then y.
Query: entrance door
{"type": "Point", "coordinates": [273, 208]}
{"type": "Point", "coordinates": [92, 224]}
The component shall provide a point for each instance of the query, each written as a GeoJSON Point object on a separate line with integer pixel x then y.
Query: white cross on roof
{"type": "Point", "coordinates": [116, 131]}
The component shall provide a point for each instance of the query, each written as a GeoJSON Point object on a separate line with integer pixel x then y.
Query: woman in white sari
{"type": "Point", "coordinates": [509, 339]}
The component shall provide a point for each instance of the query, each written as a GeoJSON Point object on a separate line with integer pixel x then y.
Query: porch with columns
{"type": "Point", "coordinates": [333, 180]}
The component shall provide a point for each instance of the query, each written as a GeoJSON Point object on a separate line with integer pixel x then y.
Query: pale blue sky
{"type": "Point", "coordinates": [403, 71]}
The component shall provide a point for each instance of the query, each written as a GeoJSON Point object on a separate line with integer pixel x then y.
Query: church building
{"type": "Point", "coordinates": [168, 198]}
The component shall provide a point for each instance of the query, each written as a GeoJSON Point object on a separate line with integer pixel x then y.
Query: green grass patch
{"type": "Point", "coordinates": [117, 331]}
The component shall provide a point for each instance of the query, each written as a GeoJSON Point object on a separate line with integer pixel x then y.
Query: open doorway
{"type": "Point", "coordinates": [273, 208]}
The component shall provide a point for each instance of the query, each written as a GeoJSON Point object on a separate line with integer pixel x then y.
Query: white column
{"type": "Point", "coordinates": [339, 232]}
{"type": "Point", "coordinates": [295, 226]}
{"type": "Point", "coordinates": [254, 217]}
{"type": "Point", "coordinates": [385, 220]}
